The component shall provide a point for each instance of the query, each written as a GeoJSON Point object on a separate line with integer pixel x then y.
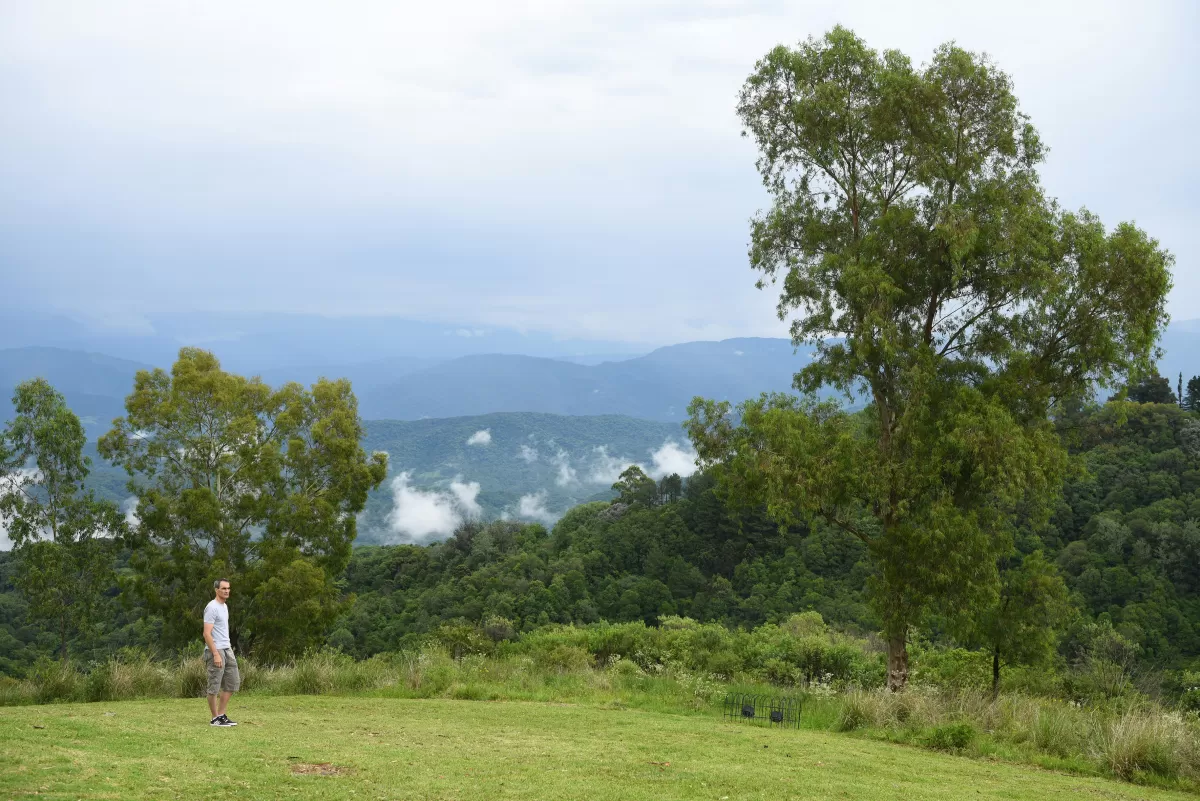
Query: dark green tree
{"type": "Point", "coordinates": [1191, 397]}
{"type": "Point", "coordinates": [1020, 623]}
{"type": "Point", "coordinates": [909, 231]}
{"type": "Point", "coordinates": [670, 488]}
{"type": "Point", "coordinates": [62, 535]}
{"type": "Point", "coordinates": [635, 487]}
{"type": "Point", "coordinates": [236, 480]}
{"type": "Point", "coordinates": [1151, 389]}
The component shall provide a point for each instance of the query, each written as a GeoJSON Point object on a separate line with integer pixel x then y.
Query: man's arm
{"type": "Point", "coordinates": [212, 647]}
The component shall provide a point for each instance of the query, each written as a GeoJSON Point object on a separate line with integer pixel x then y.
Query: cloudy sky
{"type": "Point", "coordinates": [572, 167]}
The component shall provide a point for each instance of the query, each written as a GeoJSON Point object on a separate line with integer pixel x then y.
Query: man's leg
{"type": "Point", "coordinates": [215, 676]}
{"type": "Point", "coordinates": [219, 708]}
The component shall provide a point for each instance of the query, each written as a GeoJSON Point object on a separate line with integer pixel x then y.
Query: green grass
{"type": "Point", "coordinates": [445, 749]}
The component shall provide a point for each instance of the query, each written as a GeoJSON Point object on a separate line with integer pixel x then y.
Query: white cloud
{"type": "Point", "coordinates": [673, 458]}
{"type": "Point", "coordinates": [10, 484]}
{"type": "Point", "coordinates": [311, 151]}
{"type": "Point", "coordinates": [606, 469]}
{"type": "Point", "coordinates": [566, 474]}
{"type": "Point", "coordinates": [465, 494]}
{"type": "Point", "coordinates": [482, 437]}
{"type": "Point", "coordinates": [533, 507]}
{"type": "Point", "coordinates": [739, 353]}
{"type": "Point", "coordinates": [129, 506]}
{"type": "Point", "coordinates": [530, 455]}
{"type": "Point", "coordinates": [425, 515]}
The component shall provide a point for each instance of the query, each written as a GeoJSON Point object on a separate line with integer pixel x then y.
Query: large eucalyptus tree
{"type": "Point", "coordinates": [910, 238]}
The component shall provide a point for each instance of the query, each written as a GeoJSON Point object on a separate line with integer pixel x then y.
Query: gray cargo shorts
{"type": "Point", "coordinates": [225, 678]}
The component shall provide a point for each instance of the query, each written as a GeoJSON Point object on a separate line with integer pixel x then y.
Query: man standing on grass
{"type": "Point", "coordinates": [223, 677]}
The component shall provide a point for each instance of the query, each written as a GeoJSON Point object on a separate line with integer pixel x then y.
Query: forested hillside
{"type": "Point", "coordinates": [1125, 538]}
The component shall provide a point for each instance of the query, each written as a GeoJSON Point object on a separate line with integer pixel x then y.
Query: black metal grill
{"type": "Point", "coordinates": [763, 710]}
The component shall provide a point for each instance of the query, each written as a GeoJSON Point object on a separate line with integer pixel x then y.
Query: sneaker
{"type": "Point", "coordinates": [225, 721]}
{"type": "Point", "coordinates": [215, 721]}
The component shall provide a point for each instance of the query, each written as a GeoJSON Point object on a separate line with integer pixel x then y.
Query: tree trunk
{"type": "Point", "coordinates": [62, 631]}
{"type": "Point", "coordinates": [996, 673]}
{"type": "Point", "coordinates": [897, 677]}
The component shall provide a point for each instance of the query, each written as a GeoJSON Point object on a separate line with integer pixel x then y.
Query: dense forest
{"type": "Point", "coordinates": [1125, 537]}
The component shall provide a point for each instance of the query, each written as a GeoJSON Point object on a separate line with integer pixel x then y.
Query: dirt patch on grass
{"type": "Point", "coordinates": [320, 769]}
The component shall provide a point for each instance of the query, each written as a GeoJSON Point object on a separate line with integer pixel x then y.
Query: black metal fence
{"type": "Point", "coordinates": [763, 710]}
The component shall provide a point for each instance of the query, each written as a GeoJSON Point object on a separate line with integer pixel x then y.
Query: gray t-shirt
{"type": "Point", "coordinates": [217, 613]}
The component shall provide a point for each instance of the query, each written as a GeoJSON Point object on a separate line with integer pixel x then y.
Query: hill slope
{"type": "Point", "coordinates": [437, 748]}
{"type": "Point", "coordinates": [526, 465]}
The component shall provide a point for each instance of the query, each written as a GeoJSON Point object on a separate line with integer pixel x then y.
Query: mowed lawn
{"type": "Point", "coordinates": [380, 748]}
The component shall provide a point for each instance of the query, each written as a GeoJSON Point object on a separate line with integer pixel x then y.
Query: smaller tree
{"type": "Point", "coordinates": [1020, 624]}
{"type": "Point", "coordinates": [1191, 396]}
{"type": "Point", "coordinates": [60, 533]}
{"type": "Point", "coordinates": [1152, 389]}
{"type": "Point", "coordinates": [635, 487]}
{"type": "Point", "coordinates": [670, 488]}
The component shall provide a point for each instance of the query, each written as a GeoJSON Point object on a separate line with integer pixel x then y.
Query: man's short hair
{"type": "Point", "coordinates": [217, 584]}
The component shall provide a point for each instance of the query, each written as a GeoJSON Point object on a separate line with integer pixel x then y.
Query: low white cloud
{"type": "Point", "coordinates": [481, 437]}
{"type": "Point", "coordinates": [129, 507]}
{"type": "Point", "coordinates": [465, 494]}
{"type": "Point", "coordinates": [739, 353]}
{"type": "Point", "coordinates": [8, 485]}
{"type": "Point", "coordinates": [424, 515]}
{"type": "Point", "coordinates": [605, 468]}
{"type": "Point", "coordinates": [566, 474]}
{"type": "Point", "coordinates": [673, 458]}
{"type": "Point", "coordinates": [470, 332]}
{"type": "Point", "coordinates": [530, 455]}
{"type": "Point", "coordinates": [533, 507]}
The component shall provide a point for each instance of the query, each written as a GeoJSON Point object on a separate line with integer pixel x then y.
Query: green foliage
{"type": "Point", "coordinates": [1152, 389]}
{"type": "Point", "coordinates": [236, 480]}
{"type": "Point", "coordinates": [1191, 397]}
{"type": "Point", "coordinates": [1020, 623]}
{"type": "Point", "coordinates": [950, 737]}
{"type": "Point", "coordinates": [633, 486]}
{"type": "Point", "coordinates": [909, 231]}
{"type": "Point", "coordinates": [62, 535]}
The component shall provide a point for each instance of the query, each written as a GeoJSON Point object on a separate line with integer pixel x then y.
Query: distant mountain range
{"type": "Point", "coordinates": [656, 386]}
{"type": "Point", "coordinates": [497, 434]}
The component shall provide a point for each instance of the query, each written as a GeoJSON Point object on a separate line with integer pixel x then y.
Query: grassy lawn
{"type": "Point", "coordinates": [439, 749]}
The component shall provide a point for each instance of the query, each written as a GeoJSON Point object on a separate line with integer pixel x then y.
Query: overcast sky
{"type": "Point", "coordinates": [573, 167]}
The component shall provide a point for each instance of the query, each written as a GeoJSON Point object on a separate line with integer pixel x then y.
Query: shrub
{"type": "Point", "coordinates": [1151, 743]}
{"type": "Point", "coordinates": [805, 624]}
{"type": "Point", "coordinates": [725, 664]}
{"type": "Point", "coordinates": [312, 674]}
{"type": "Point", "coordinates": [1056, 730]}
{"type": "Point", "coordinates": [856, 712]}
{"type": "Point", "coordinates": [54, 681]}
{"type": "Point", "coordinates": [191, 677]}
{"type": "Point", "coordinates": [950, 737]}
{"type": "Point", "coordinates": [499, 629]}
{"type": "Point", "coordinates": [564, 659]}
